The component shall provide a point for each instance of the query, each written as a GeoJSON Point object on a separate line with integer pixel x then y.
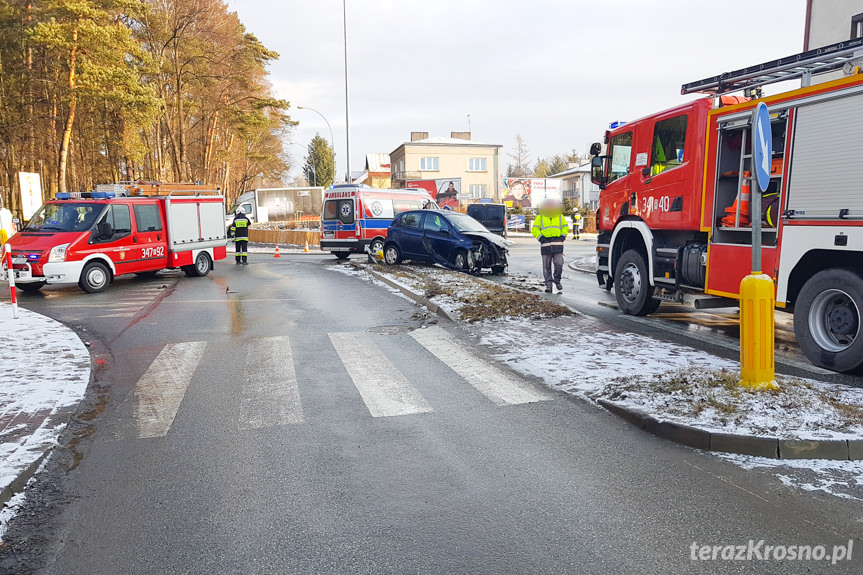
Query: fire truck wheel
{"type": "Point", "coordinates": [827, 320]}
{"type": "Point", "coordinates": [95, 278]}
{"type": "Point", "coordinates": [31, 287]}
{"type": "Point", "coordinates": [632, 286]}
{"type": "Point", "coordinates": [200, 268]}
{"type": "Point", "coordinates": [392, 255]}
{"type": "Point", "coordinates": [376, 246]}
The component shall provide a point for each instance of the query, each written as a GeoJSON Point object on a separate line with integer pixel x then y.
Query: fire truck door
{"type": "Point", "coordinates": [659, 177]}
{"type": "Point", "coordinates": [152, 244]}
{"type": "Point", "coordinates": [114, 237]}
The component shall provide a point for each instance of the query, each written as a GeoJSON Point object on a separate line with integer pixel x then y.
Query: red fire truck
{"type": "Point", "coordinates": [674, 202]}
{"type": "Point", "coordinates": [91, 238]}
{"type": "Point", "coordinates": [356, 217]}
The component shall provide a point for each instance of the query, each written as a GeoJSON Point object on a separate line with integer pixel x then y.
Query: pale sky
{"type": "Point", "coordinates": [557, 72]}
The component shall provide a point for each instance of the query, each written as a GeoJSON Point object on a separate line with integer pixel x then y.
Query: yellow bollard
{"type": "Point", "coordinates": [757, 367]}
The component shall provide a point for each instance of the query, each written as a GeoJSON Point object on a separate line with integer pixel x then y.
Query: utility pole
{"type": "Point", "coordinates": [347, 94]}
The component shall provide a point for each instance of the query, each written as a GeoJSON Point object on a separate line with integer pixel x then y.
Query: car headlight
{"type": "Point", "coordinates": [58, 253]}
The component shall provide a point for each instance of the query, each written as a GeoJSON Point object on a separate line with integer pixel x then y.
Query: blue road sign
{"type": "Point", "coordinates": [762, 145]}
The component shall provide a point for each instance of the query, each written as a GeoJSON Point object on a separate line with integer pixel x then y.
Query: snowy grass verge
{"type": "Point", "coordinates": [471, 298]}
{"type": "Point", "coordinates": [45, 370]}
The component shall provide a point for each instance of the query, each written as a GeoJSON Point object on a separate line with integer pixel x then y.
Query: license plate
{"type": "Point", "coordinates": [19, 260]}
{"type": "Point", "coordinates": [329, 235]}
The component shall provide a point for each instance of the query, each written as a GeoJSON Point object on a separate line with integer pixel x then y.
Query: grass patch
{"type": "Point", "coordinates": [715, 396]}
{"type": "Point", "coordinates": [475, 299]}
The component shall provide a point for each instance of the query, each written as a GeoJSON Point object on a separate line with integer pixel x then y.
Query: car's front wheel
{"type": "Point", "coordinates": [392, 255]}
{"type": "Point", "coordinates": [460, 260]}
{"type": "Point", "coordinates": [95, 278]}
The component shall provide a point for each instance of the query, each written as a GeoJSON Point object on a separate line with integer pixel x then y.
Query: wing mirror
{"type": "Point", "coordinates": [597, 171]}
{"type": "Point", "coordinates": [104, 230]}
{"type": "Point", "coordinates": [595, 149]}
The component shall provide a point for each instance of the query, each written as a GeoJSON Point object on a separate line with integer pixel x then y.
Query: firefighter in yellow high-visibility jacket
{"type": "Point", "coordinates": [551, 229]}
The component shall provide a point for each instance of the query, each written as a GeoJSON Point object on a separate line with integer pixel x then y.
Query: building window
{"type": "Point", "coordinates": [428, 165]}
{"type": "Point", "coordinates": [476, 165]}
{"type": "Point", "coordinates": [857, 26]}
{"type": "Point", "coordinates": [477, 191]}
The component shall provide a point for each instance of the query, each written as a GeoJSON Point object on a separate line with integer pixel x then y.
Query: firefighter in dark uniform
{"type": "Point", "coordinates": [240, 232]}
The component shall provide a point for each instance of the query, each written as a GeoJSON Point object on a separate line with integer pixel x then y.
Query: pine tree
{"type": "Point", "coordinates": [320, 167]}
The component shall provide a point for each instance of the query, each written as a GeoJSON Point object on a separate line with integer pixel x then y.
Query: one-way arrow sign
{"type": "Point", "coordinates": [762, 140]}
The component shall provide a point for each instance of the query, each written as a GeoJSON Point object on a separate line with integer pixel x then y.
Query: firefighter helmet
{"type": "Point", "coordinates": [241, 211]}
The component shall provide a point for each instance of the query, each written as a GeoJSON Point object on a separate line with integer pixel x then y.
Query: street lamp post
{"type": "Point", "coordinates": [332, 139]}
{"type": "Point", "coordinates": [347, 99]}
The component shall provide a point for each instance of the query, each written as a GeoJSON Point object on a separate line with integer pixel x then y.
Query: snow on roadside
{"type": "Point", "coordinates": [350, 270]}
{"type": "Point", "coordinates": [45, 369]}
{"type": "Point", "coordinates": [582, 354]}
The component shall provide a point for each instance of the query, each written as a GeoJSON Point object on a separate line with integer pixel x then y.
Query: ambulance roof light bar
{"type": "Point", "coordinates": [801, 65]}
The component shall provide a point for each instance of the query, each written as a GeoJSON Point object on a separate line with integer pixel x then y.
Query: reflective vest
{"type": "Point", "coordinates": [240, 227]}
{"type": "Point", "coordinates": [550, 231]}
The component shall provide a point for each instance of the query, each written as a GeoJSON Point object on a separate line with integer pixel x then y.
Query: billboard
{"type": "Point", "coordinates": [445, 191]}
{"type": "Point", "coordinates": [516, 192]}
{"type": "Point", "coordinates": [529, 192]}
{"type": "Point", "coordinates": [31, 193]}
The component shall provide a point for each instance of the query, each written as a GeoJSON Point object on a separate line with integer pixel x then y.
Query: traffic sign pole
{"type": "Point", "coordinates": [757, 329]}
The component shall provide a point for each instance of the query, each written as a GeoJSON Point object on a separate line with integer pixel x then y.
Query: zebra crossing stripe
{"type": "Point", "coordinates": [271, 394]}
{"type": "Point", "coordinates": [384, 389]}
{"type": "Point", "coordinates": [499, 386]}
{"type": "Point", "coordinates": [161, 389]}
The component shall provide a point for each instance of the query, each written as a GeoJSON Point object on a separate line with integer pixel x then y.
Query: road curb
{"type": "Point", "coordinates": [417, 298]}
{"type": "Point", "coordinates": [18, 484]}
{"type": "Point", "coordinates": [769, 447]}
{"type": "Point", "coordinates": [59, 417]}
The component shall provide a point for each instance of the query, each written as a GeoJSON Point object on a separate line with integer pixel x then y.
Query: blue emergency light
{"type": "Point", "coordinates": [91, 195]}
{"type": "Point", "coordinates": [614, 125]}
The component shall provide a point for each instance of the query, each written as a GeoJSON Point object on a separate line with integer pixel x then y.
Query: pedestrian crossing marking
{"type": "Point", "coordinates": [497, 385]}
{"type": "Point", "coordinates": [271, 394]}
{"type": "Point", "coordinates": [161, 389]}
{"type": "Point", "coordinates": [384, 389]}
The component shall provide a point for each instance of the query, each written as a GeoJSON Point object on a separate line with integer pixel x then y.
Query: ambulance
{"type": "Point", "coordinates": [91, 238]}
{"type": "Point", "coordinates": [356, 217]}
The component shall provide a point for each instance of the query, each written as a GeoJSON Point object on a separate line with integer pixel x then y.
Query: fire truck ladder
{"type": "Point", "coordinates": [803, 65]}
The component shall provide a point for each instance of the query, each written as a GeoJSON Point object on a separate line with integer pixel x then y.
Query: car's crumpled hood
{"type": "Point", "coordinates": [493, 238]}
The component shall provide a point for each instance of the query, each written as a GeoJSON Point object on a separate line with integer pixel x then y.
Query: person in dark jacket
{"type": "Point", "coordinates": [239, 230]}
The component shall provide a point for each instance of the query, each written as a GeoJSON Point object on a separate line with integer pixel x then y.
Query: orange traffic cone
{"type": "Point", "coordinates": [306, 249]}
{"type": "Point", "coordinates": [745, 195]}
{"type": "Point", "coordinates": [277, 254]}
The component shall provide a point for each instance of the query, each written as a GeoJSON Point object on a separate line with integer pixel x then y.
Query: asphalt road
{"type": "Point", "coordinates": [287, 418]}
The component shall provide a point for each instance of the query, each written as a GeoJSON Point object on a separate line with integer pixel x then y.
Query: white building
{"type": "Point", "coordinates": [577, 186]}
